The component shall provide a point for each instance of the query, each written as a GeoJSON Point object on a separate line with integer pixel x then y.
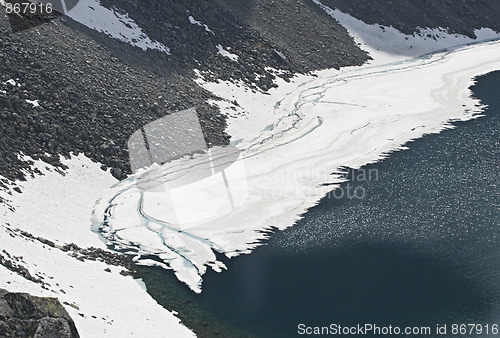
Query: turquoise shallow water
{"type": "Point", "coordinates": [421, 248]}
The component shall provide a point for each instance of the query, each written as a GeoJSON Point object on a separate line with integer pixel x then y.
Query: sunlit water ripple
{"type": "Point", "coordinates": [420, 249]}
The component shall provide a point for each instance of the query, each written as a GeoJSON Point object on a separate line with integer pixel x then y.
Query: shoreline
{"type": "Point", "coordinates": [439, 83]}
{"type": "Point", "coordinates": [413, 146]}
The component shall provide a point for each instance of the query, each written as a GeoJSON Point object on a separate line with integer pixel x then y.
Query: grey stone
{"type": "Point", "coordinates": [24, 315]}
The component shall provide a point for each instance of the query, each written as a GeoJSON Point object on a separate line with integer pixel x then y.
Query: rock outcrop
{"type": "Point", "coordinates": [23, 315]}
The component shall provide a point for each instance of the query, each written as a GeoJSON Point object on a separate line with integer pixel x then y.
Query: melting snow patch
{"type": "Point", "coordinates": [116, 25]}
{"type": "Point", "coordinates": [12, 82]}
{"type": "Point", "coordinates": [226, 53]}
{"type": "Point", "coordinates": [199, 23]}
{"type": "Point", "coordinates": [34, 102]}
{"type": "Point", "coordinates": [386, 44]}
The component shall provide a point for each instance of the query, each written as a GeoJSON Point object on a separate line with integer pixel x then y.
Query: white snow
{"type": "Point", "coordinates": [387, 44]}
{"type": "Point", "coordinates": [57, 206]}
{"type": "Point", "coordinates": [199, 23]}
{"type": "Point", "coordinates": [292, 140]}
{"type": "Point", "coordinates": [35, 103]}
{"type": "Point", "coordinates": [114, 24]}
{"type": "Point", "coordinates": [72, 197]}
{"type": "Point", "coordinates": [13, 83]}
{"type": "Point", "coordinates": [255, 109]}
{"type": "Point", "coordinates": [226, 53]}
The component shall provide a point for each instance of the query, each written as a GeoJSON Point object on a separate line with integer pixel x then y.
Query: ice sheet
{"type": "Point", "coordinates": [342, 118]}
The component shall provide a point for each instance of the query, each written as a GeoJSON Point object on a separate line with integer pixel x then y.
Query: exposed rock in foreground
{"type": "Point", "coordinates": [24, 315]}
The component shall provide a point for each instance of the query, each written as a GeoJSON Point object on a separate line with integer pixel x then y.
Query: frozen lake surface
{"type": "Point", "coordinates": [420, 248]}
{"type": "Point", "coordinates": [346, 118]}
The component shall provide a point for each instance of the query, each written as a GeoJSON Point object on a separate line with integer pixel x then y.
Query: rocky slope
{"type": "Point", "coordinates": [94, 91]}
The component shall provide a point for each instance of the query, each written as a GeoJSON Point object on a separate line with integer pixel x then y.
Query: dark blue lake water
{"type": "Point", "coordinates": [421, 248]}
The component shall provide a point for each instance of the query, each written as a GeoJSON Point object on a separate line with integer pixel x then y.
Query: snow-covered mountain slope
{"type": "Point", "coordinates": [386, 43]}
{"type": "Point", "coordinates": [54, 210]}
